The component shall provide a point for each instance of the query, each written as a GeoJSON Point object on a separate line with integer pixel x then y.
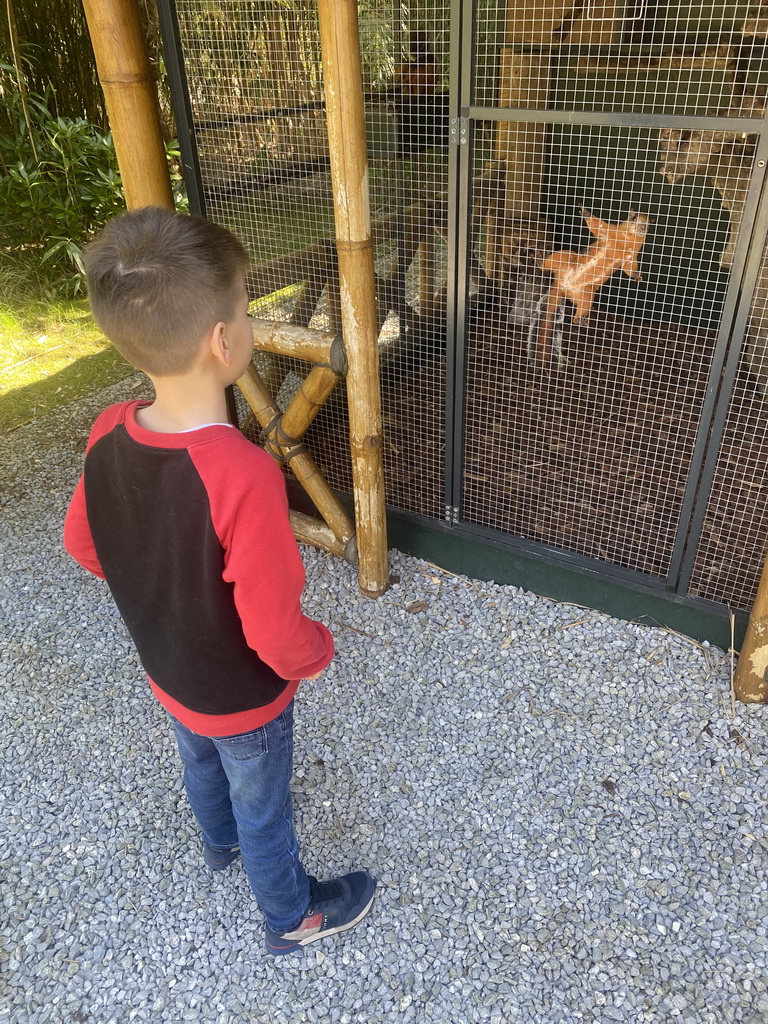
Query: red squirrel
{"type": "Point", "coordinates": [577, 276]}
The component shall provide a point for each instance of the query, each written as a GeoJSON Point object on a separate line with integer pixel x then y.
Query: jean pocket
{"type": "Point", "coordinates": [244, 747]}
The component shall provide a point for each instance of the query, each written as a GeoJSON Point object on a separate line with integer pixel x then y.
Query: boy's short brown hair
{"type": "Point", "coordinates": [158, 281]}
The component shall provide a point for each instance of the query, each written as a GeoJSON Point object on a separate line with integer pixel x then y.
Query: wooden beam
{"type": "Point", "coordinates": [124, 71]}
{"type": "Point", "coordinates": [342, 76]}
{"type": "Point", "coordinates": [750, 682]}
{"type": "Point", "coordinates": [315, 532]}
{"type": "Point", "coordinates": [285, 339]}
{"type": "Point", "coordinates": [289, 450]}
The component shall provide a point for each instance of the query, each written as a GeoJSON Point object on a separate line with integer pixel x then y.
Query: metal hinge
{"type": "Point", "coordinates": [459, 131]}
{"type": "Point", "coordinates": [452, 515]}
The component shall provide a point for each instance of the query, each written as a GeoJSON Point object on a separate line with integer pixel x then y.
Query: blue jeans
{"type": "Point", "coordinates": [239, 790]}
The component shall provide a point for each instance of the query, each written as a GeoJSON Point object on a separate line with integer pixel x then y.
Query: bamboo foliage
{"type": "Point", "coordinates": [55, 51]}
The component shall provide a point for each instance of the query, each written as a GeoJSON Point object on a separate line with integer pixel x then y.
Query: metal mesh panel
{"type": "Point", "coordinates": [255, 84]}
{"type": "Point", "coordinates": [735, 530]}
{"type": "Point", "coordinates": [620, 55]}
{"type": "Point", "coordinates": [587, 446]}
{"type": "Point", "coordinates": [581, 413]}
{"type": "Point", "coordinates": [583, 410]}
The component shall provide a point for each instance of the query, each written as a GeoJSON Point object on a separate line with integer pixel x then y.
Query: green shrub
{"type": "Point", "coordinates": [59, 184]}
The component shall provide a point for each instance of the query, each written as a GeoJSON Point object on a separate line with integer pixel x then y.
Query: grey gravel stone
{"type": "Point", "coordinates": [563, 825]}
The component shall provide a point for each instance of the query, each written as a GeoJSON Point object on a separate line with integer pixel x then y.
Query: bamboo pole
{"type": "Point", "coordinates": [131, 99]}
{"type": "Point", "coordinates": [290, 451]}
{"type": "Point", "coordinates": [749, 682]}
{"type": "Point", "coordinates": [311, 531]}
{"type": "Point", "coordinates": [342, 76]}
{"type": "Point", "coordinates": [284, 339]}
{"type": "Point", "coordinates": [308, 401]}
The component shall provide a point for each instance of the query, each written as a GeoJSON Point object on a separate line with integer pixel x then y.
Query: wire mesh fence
{"type": "Point", "coordinates": [256, 95]}
{"type": "Point", "coordinates": [557, 264]}
{"type": "Point", "coordinates": [735, 528]}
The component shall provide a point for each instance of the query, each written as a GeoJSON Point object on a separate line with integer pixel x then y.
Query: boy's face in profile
{"type": "Point", "coordinates": [239, 334]}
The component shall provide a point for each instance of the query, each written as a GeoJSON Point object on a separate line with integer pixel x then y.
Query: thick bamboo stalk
{"type": "Point", "coordinates": [290, 451]}
{"type": "Point", "coordinates": [258, 398]}
{"type": "Point", "coordinates": [750, 682]}
{"type": "Point", "coordinates": [327, 504]}
{"type": "Point", "coordinates": [308, 401]}
{"type": "Point", "coordinates": [291, 340]}
{"type": "Point", "coordinates": [131, 100]}
{"type": "Point", "coordinates": [314, 532]}
{"type": "Point", "coordinates": [345, 114]}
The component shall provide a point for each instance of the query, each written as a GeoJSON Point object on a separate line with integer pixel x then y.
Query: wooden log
{"type": "Point", "coordinates": [750, 682]}
{"type": "Point", "coordinates": [286, 270]}
{"type": "Point", "coordinates": [317, 263]}
{"type": "Point", "coordinates": [339, 38]}
{"type": "Point", "coordinates": [328, 505]}
{"type": "Point", "coordinates": [124, 71]}
{"type": "Point", "coordinates": [291, 451]}
{"type": "Point", "coordinates": [312, 531]}
{"type": "Point", "coordinates": [258, 398]}
{"type": "Point", "coordinates": [307, 301]}
{"type": "Point", "coordinates": [291, 340]}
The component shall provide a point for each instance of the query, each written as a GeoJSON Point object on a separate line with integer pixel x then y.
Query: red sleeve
{"type": "Point", "coordinates": [249, 509]}
{"type": "Point", "coordinates": [77, 533]}
{"type": "Point", "coordinates": [78, 541]}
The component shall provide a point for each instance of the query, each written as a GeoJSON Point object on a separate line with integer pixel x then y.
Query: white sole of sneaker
{"type": "Point", "coordinates": [341, 928]}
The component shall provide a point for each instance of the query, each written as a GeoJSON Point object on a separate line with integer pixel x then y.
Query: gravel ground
{"type": "Point", "coordinates": [566, 821]}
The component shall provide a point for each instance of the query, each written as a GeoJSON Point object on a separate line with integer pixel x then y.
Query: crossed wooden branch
{"type": "Point", "coordinates": [282, 433]}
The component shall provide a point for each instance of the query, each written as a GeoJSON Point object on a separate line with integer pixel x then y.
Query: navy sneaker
{"type": "Point", "coordinates": [217, 860]}
{"type": "Point", "coordinates": [334, 906]}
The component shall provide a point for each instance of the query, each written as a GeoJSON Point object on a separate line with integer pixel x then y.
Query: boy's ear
{"type": "Point", "coordinates": [219, 344]}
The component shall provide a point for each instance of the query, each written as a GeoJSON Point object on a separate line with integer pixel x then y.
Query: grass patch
{"type": "Point", "coordinates": [51, 353]}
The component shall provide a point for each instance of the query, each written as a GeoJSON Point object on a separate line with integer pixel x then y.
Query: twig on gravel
{"type": "Point", "coordinates": [456, 576]}
{"type": "Point", "coordinates": [361, 632]}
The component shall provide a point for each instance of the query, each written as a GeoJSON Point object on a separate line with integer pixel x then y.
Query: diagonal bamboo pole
{"type": "Point", "coordinates": [129, 92]}
{"type": "Point", "coordinates": [292, 452]}
{"type": "Point", "coordinates": [339, 38]}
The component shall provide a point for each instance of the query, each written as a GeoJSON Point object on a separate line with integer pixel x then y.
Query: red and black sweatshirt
{"type": "Point", "coordinates": [191, 532]}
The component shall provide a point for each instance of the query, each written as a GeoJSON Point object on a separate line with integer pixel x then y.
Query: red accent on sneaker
{"type": "Point", "coordinates": [309, 924]}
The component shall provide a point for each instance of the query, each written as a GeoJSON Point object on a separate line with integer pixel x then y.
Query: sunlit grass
{"type": "Point", "coordinates": [51, 353]}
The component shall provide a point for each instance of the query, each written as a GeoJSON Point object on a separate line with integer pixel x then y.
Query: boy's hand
{"type": "Point", "coordinates": [317, 675]}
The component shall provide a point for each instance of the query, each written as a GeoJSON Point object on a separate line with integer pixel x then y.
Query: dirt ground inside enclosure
{"type": "Point", "coordinates": [592, 458]}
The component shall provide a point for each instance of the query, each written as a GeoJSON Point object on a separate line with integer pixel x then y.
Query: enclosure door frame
{"type": "Point", "coordinates": [730, 334]}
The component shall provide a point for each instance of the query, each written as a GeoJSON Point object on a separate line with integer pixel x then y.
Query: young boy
{"type": "Point", "coordinates": [188, 523]}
